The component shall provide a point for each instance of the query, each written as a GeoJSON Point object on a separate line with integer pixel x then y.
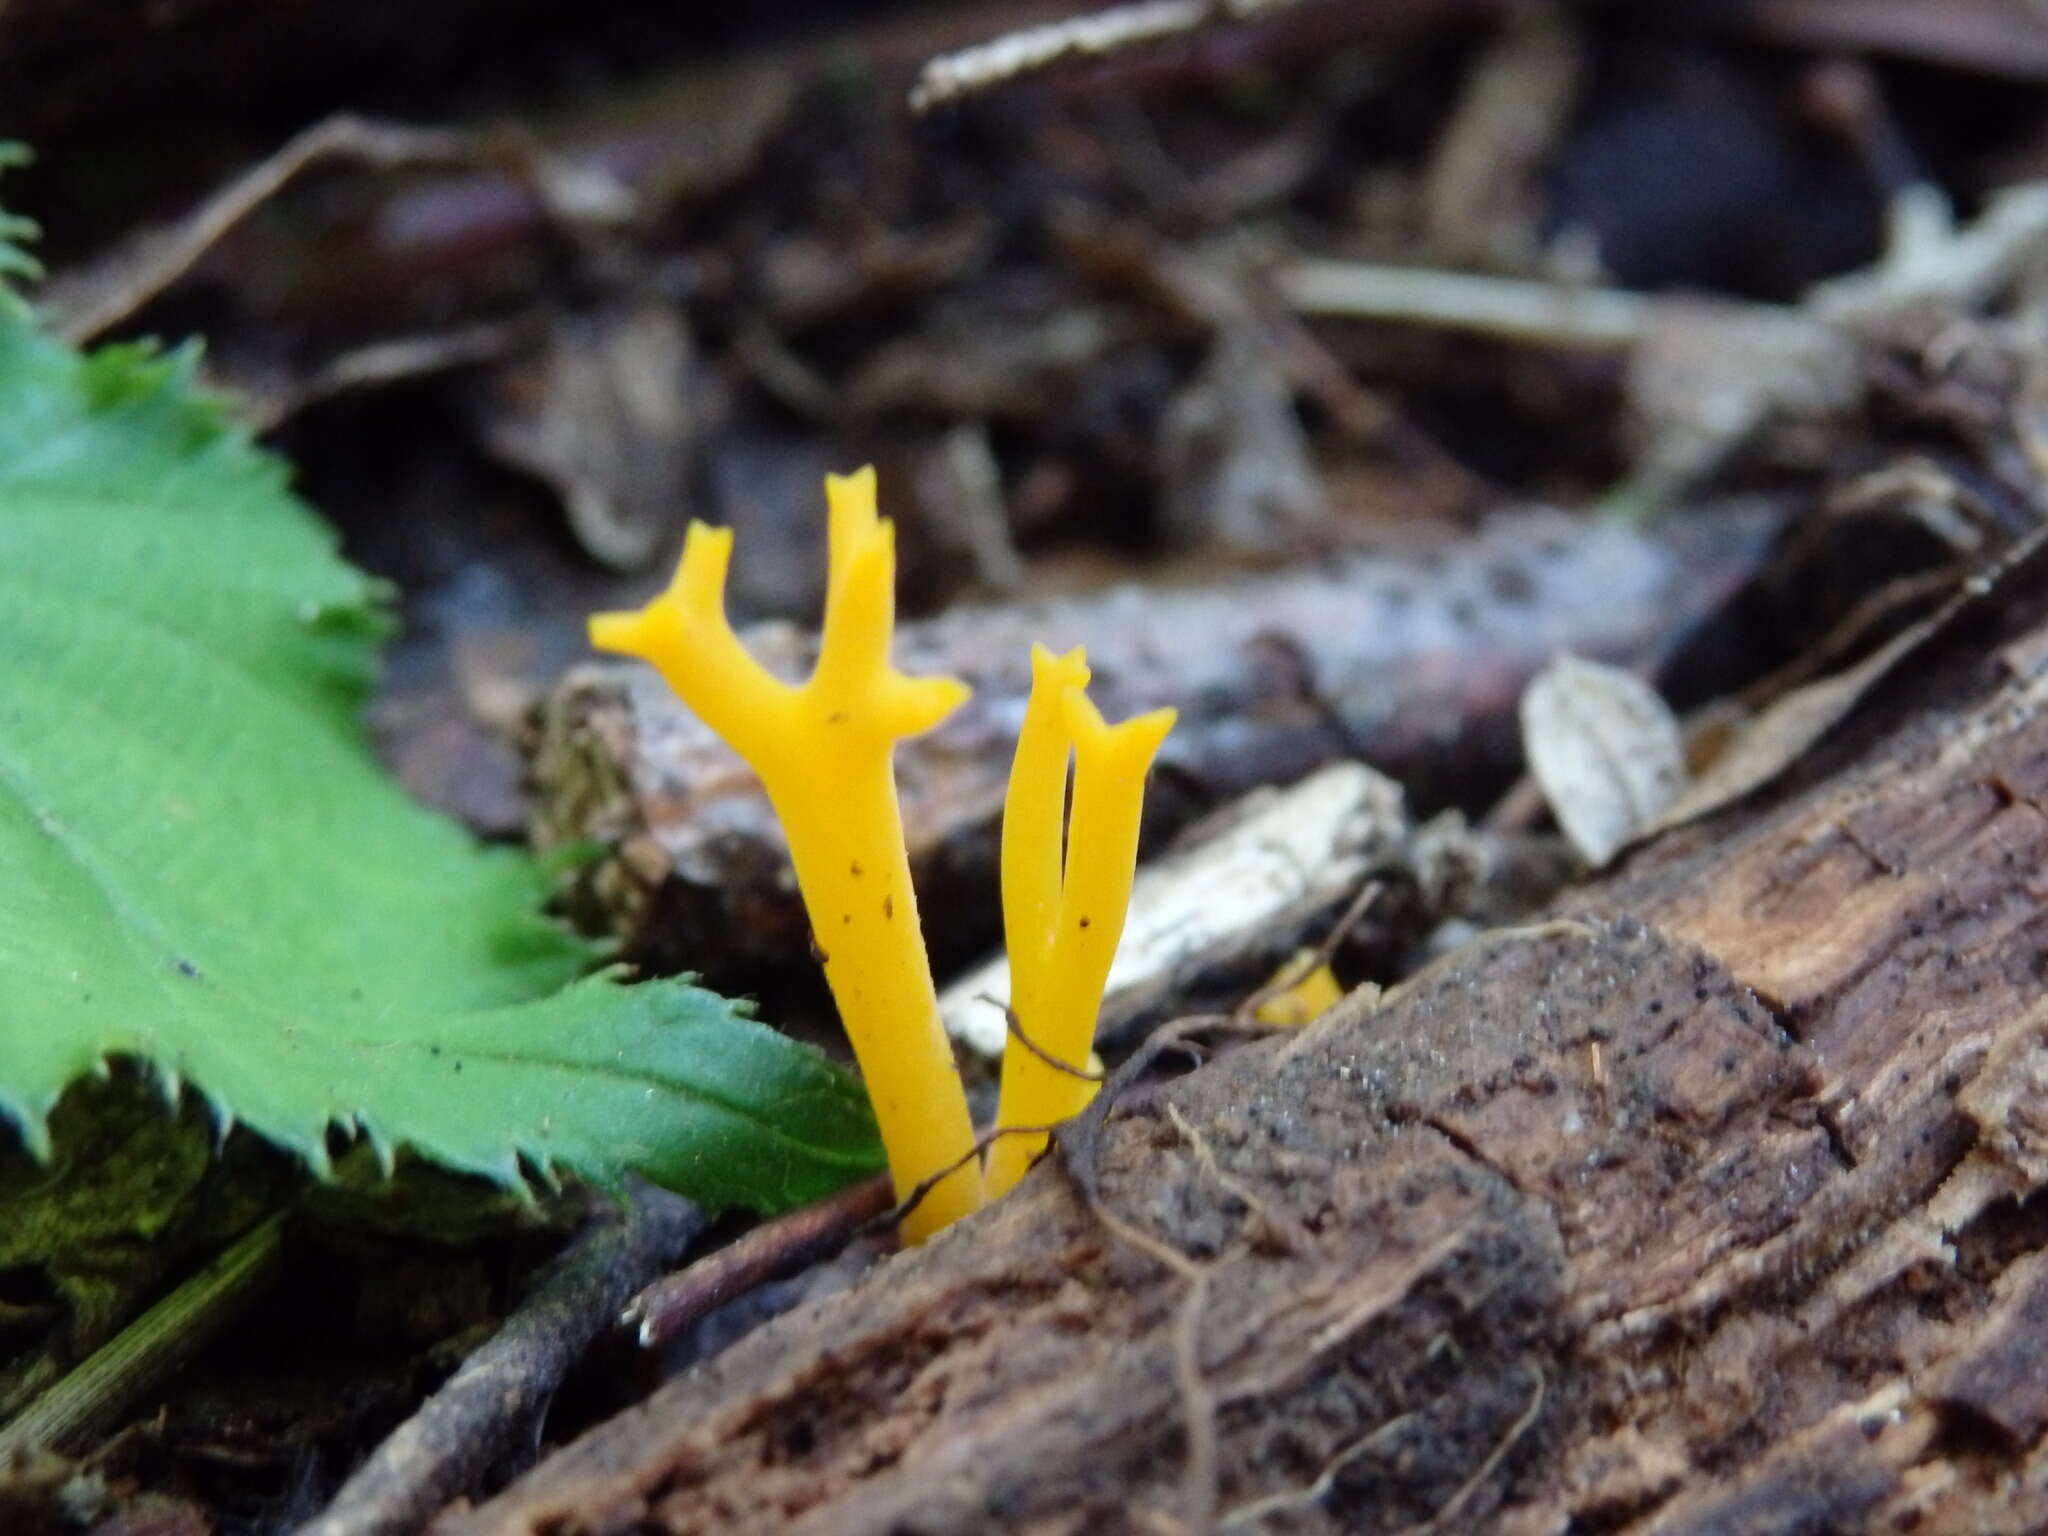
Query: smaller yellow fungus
{"type": "Point", "coordinates": [1034, 826]}
{"type": "Point", "coordinates": [1062, 919]}
{"type": "Point", "coordinates": [1301, 991]}
{"type": "Point", "coordinates": [824, 750]}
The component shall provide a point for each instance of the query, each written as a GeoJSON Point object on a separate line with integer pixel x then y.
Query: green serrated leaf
{"type": "Point", "coordinates": [202, 866]}
{"type": "Point", "coordinates": [15, 232]}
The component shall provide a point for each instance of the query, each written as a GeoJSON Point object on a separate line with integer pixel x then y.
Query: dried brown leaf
{"type": "Point", "coordinates": [1783, 732]}
{"type": "Point", "coordinates": [1605, 747]}
{"type": "Point", "coordinates": [603, 413]}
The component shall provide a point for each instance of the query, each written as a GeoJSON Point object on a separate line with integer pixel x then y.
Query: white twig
{"type": "Point", "coordinates": [1095, 35]}
{"type": "Point", "coordinates": [1501, 306]}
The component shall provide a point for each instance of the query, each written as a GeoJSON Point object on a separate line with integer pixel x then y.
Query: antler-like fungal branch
{"type": "Point", "coordinates": [1062, 923]}
{"type": "Point", "coordinates": [684, 635]}
{"type": "Point", "coordinates": [824, 750]}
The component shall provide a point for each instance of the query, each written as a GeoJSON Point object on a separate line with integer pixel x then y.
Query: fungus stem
{"type": "Point", "coordinates": [825, 753]}
{"type": "Point", "coordinates": [1060, 949]}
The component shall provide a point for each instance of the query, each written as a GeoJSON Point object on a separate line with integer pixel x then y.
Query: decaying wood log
{"type": "Point", "coordinates": [1412, 662]}
{"type": "Point", "coordinates": [1708, 1205]}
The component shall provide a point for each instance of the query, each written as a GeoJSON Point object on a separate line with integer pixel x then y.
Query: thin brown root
{"type": "Point", "coordinates": [490, 1408]}
{"type": "Point", "coordinates": [1340, 930]}
{"type": "Point", "coordinates": [1342, 1329]}
{"type": "Point", "coordinates": [1016, 1028]}
{"type": "Point", "coordinates": [1521, 1426]}
{"type": "Point", "coordinates": [677, 1301]}
{"type": "Point", "coordinates": [1079, 1142]}
{"type": "Point", "coordinates": [1082, 1129]}
{"type": "Point", "coordinates": [1306, 1497]}
{"type": "Point", "coordinates": [1198, 1408]}
{"type": "Point", "coordinates": [894, 1216]}
{"type": "Point", "coordinates": [1229, 1182]}
{"type": "Point", "coordinates": [1313, 1493]}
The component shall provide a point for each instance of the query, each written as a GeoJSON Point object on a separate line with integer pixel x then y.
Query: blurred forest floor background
{"type": "Point", "coordinates": [1329, 368]}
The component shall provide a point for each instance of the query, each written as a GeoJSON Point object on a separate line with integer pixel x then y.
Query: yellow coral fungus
{"type": "Point", "coordinates": [824, 750]}
{"type": "Point", "coordinates": [1034, 825]}
{"type": "Point", "coordinates": [1062, 923]}
{"type": "Point", "coordinates": [1301, 991]}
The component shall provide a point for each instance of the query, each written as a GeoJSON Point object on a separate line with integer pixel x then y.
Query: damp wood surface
{"type": "Point", "coordinates": [1708, 1204]}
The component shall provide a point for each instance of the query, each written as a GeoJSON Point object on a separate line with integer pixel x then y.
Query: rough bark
{"type": "Point", "coordinates": [1412, 661]}
{"type": "Point", "coordinates": [1708, 1205]}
